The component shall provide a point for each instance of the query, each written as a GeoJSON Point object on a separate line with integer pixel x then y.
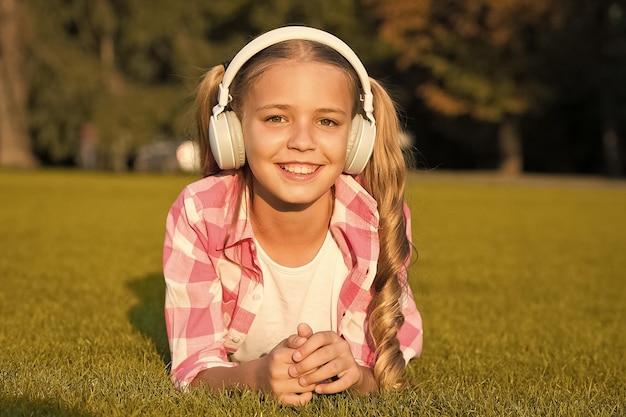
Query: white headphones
{"type": "Point", "coordinates": [225, 134]}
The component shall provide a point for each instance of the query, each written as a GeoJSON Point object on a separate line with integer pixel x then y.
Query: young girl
{"type": "Point", "coordinates": [286, 265]}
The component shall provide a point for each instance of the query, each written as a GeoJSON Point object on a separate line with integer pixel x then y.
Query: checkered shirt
{"type": "Point", "coordinates": [214, 285]}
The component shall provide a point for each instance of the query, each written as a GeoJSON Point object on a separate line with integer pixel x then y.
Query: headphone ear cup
{"type": "Point", "coordinates": [226, 140]}
{"type": "Point", "coordinates": [360, 145]}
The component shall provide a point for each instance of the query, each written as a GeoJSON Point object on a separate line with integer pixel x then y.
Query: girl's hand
{"type": "Point", "coordinates": [324, 360]}
{"type": "Point", "coordinates": [273, 374]}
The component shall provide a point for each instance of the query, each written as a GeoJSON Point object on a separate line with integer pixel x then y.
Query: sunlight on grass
{"type": "Point", "coordinates": [520, 284]}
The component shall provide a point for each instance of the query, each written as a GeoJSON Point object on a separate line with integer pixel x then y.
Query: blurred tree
{"type": "Point", "coordinates": [124, 70]}
{"type": "Point", "coordinates": [65, 74]}
{"type": "Point", "coordinates": [15, 147]}
{"type": "Point", "coordinates": [123, 67]}
{"type": "Point", "coordinates": [346, 19]}
{"type": "Point", "coordinates": [480, 56]}
{"type": "Point", "coordinates": [591, 54]}
{"type": "Point", "coordinates": [584, 62]}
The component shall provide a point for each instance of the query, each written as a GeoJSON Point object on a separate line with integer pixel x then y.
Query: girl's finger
{"type": "Point", "coordinates": [304, 330]}
{"type": "Point", "coordinates": [314, 343]}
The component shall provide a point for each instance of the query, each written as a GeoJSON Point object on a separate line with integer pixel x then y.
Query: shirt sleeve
{"type": "Point", "coordinates": [193, 296]}
{"type": "Point", "coordinates": [410, 335]}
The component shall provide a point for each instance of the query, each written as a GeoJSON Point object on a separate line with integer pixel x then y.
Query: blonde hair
{"type": "Point", "coordinates": [206, 98]}
{"type": "Point", "coordinates": [383, 178]}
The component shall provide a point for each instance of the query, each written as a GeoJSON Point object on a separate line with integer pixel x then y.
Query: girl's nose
{"type": "Point", "coordinates": [301, 137]}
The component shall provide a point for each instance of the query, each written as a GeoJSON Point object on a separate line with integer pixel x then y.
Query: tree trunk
{"type": "Point", "coordinates": [610, 138]}
{"type": "Point", "coordinates": [510, 145]}
{"type": "Point", "coordinates": [117, 137]}
{"type": "Point", "coordinates": [15, 147]}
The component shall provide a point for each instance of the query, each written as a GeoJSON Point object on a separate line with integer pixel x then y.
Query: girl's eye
{"type": "Point", "coordinates": [328, 122]}
{"type": "Point", "coordinates": [275, 119]}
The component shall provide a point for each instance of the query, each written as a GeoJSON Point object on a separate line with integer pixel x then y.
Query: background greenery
{"type": "Point", "coordinates": [520, 283]}
{"type": "Point", "coordinates": [484, 84]}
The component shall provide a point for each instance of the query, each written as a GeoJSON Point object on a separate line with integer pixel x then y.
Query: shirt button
{"type": "Point", "coordinates": [235, 339]}
{"type": "Point", "coordinates": [256, 297]}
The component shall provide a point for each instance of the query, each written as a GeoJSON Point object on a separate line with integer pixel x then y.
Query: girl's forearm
{"type": "Point", "coordinates": [223, 377]}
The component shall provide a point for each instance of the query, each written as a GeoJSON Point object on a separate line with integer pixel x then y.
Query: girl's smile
{"type": "Point", "coordinates": [299, 169]}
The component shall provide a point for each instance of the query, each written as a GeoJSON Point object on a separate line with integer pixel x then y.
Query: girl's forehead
{"type": "Point", "coordinates": [305, 84]}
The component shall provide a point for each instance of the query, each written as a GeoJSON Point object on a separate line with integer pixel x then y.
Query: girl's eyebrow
{"type": "Point", "coordinates": [273, 106]}
{"type": "Point", "coordinates": [331, 110]}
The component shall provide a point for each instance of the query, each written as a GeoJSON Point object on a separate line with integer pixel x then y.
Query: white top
{"type": "Point", "coordinates": [305, 294]}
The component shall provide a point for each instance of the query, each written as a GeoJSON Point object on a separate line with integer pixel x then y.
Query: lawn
{"type": "Point", "coordinates": [521, 285]}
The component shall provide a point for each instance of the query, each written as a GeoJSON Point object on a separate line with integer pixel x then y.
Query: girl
{"type": "Point", "coordinates": [286, 265]}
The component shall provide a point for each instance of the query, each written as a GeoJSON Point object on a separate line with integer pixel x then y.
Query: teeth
{"type": "Point", "coordinates": [299, 169]}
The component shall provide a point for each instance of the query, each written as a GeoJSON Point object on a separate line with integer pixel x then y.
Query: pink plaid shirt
{"type": "Point", "coordinates": [211, 301]}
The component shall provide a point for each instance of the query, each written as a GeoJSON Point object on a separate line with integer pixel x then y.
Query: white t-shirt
{"type": "Point", "coordinates": [305, 294]}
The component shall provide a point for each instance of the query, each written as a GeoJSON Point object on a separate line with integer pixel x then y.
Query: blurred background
{"type": "Point", "coordinates": [508, 86]}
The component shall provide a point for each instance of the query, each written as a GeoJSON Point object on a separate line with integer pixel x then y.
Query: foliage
{"type": "Point", "coordinates": [112, 63]}
{"type": "Point", "coordinates": [480, 54]}
{"type": "Point", "coordinates": [520, 284]}
{"type": "Point", "coordinates": [130, 68]}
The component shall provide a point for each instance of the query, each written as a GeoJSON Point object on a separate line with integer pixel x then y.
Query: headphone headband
{"type": "Point", "coordinates": [288, 33]}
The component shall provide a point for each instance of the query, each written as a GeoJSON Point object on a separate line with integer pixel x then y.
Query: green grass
{"type": "Point", "coordinates": [521, 285]}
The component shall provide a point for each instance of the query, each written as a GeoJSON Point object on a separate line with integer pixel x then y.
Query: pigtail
{"type": "Point", "coordinates": [206, 98]}
{"type": "Point", "coordinates": [384, 178]}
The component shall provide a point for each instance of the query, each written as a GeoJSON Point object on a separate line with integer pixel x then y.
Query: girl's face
{"type": "Point", "coordinates": [296, 119]}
